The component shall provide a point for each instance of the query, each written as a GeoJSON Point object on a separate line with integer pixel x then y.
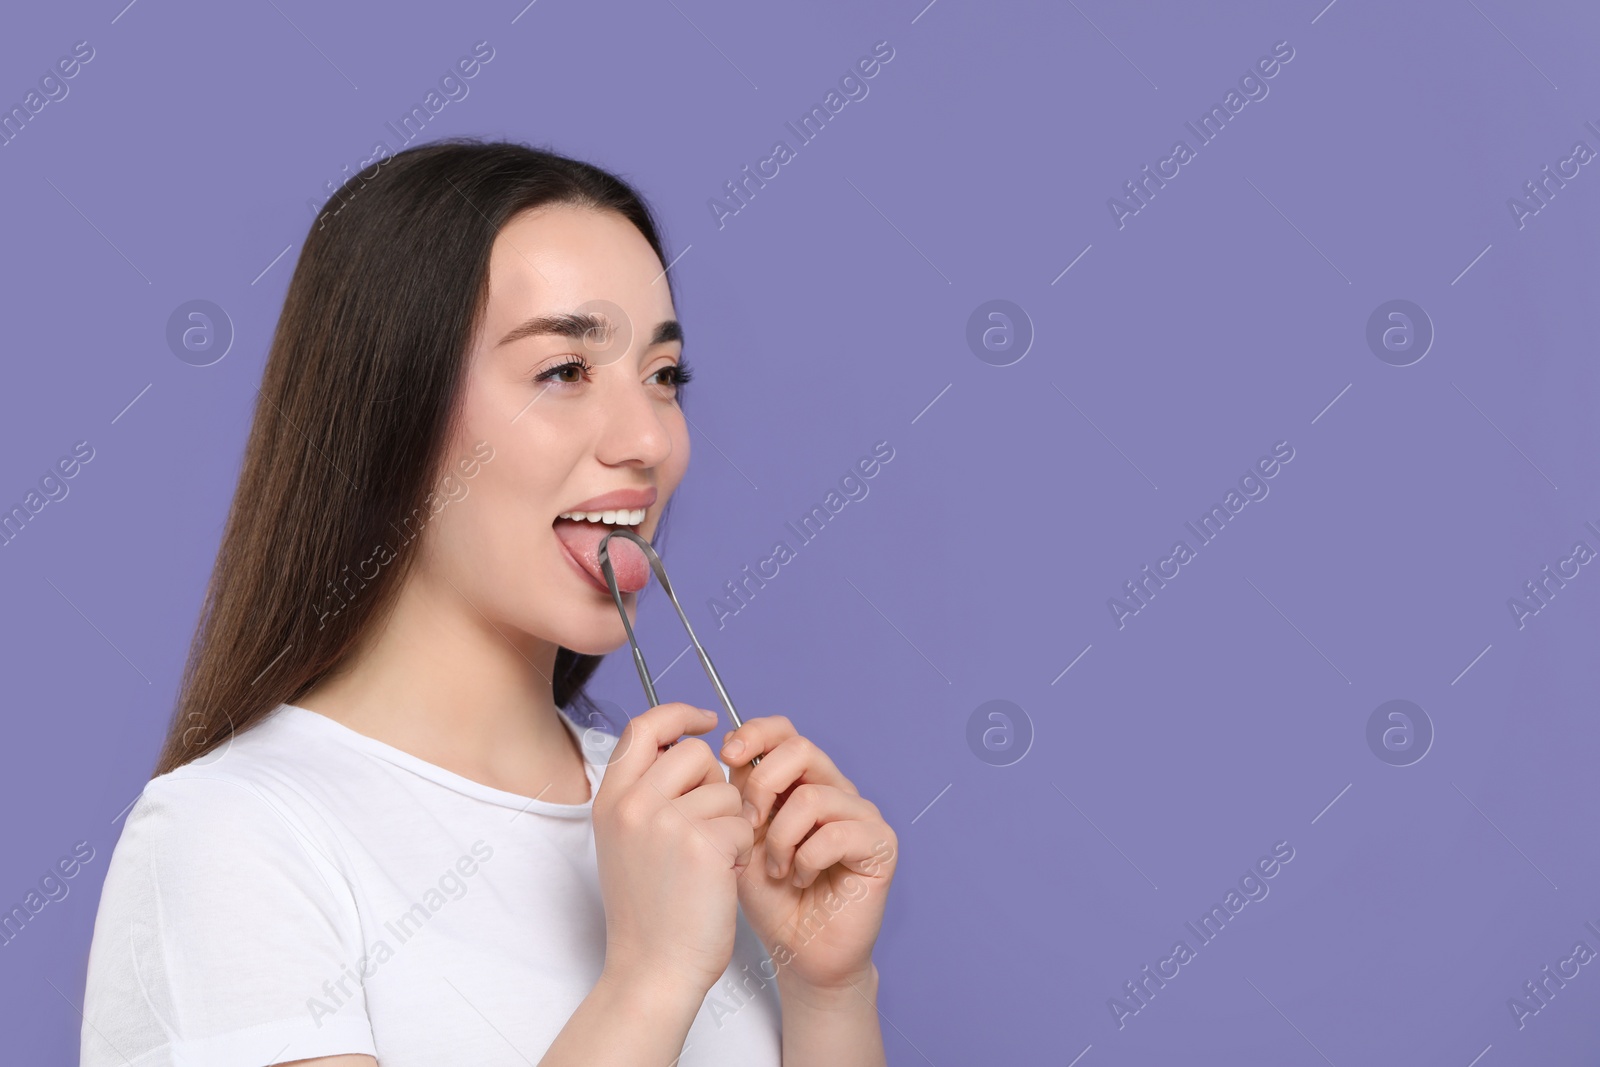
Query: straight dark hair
{"type": "Point", "coordinates": [360, 394]}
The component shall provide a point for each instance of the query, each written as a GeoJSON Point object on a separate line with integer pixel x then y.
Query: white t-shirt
{"type": "Point", "coordinates": [306, 890]}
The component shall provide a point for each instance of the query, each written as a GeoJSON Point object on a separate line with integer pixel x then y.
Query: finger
{"type": "Point", "coordinates": [755, 737]}
{"type": "Point", "coordinates": [738, 838]}
{"type": "Point", "coordinates": [713, 800]}
{"type": "Point", "coordinates": [685, 766]}
{"type": "Point", "coordinates": [642, 739]}
{"type": "Point", "coordinates": [858, 844]}
{"type": "Point", "coordinates": [808, 808]}
{"type": "Point", "coordinates": [794, 761]}
{"type": "Point", "coordinates": [712, 812]}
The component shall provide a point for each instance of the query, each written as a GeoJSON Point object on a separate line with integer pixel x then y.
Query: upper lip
{"type": "Point", "coordinates": [617, 500]}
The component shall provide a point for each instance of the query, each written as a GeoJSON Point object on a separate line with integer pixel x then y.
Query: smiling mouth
{"type": "Point", "coordinates": [609, 517]}
{"type": "Point", "coordinates": [580, 533]}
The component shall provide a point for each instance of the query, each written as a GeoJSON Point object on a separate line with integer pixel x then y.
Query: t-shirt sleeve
{"type": "Point", "coordinates": [225, 936]}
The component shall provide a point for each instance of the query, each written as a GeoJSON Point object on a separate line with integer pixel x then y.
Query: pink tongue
{"type": "Point", "coordinates": [627, 558]}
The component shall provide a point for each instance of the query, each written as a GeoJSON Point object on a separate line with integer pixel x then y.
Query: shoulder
{"type": "Point", "coordinates": [283, 764]}
{"type": "Point", "coordinates": [193, 801]}
{"type": "Point", "coordinates": [219, 915]}
{"type": "Point", "coordinates": [234, 821]}
{"type": "Point", "coordinates": [199, 836]}
{"type": "Point", "coordinates": [237, 786]}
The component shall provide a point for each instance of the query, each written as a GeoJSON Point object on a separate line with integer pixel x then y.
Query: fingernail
{"type": "Point", "coordinates": [733, 749]}
{"type": "Point", "coordinates": [798, 878]}
{"type": "Point", "coordinates": [772, 866]}
{"type": "Point", "coordinates": [753, 815]}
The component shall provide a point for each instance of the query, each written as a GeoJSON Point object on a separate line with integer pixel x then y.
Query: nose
{"type": "Point", "coordinates": [634, 433]}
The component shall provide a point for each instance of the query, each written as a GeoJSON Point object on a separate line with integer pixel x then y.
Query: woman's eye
{"type": "Point", "coordinates": [576, 370]}
{"type": "Point", "coordinates": [673, 375]}
{"type": "Point", "coordinates": [569, 373]}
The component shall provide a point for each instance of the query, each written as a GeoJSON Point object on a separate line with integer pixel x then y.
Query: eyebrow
{"type": "Point", "coordinates": [576, 325]}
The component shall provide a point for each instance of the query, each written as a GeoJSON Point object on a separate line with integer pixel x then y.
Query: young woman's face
{"type": "Point", "coordinates": [572, 417]}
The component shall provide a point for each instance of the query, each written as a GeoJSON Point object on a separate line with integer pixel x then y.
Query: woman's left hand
{"type": "Point", "coordinates": [824, 856]}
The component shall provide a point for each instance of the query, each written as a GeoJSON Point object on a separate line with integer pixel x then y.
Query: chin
{"type": "Point", "coordinates": [586, 620]}
{"type": "Point", "coordinates": [596, 640]}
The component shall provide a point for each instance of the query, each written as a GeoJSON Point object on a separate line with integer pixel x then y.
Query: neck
{"type": "Point", "coordinates": [439, 680]}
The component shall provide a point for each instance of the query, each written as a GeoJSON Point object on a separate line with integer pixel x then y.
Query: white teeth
{"type": "Point", "coordinates": [620, 517]}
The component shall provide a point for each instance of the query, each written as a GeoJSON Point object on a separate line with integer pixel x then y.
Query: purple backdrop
{"type": "Point", "coordinates": [1379, 260]}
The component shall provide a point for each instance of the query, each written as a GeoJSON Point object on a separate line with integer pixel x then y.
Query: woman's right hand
{"type": "Point", "coordinates": [670, 844]}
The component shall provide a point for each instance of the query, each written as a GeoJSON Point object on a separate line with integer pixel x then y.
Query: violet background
{"type": "Point", "coordinates": [832, 313]}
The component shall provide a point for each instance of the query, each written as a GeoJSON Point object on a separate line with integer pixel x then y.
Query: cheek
{"type": "Point", "coordinates": [498, 551]}
{"type": "Point", "coordinates": [514, 512]}
{"type": "Point", "coordinates": [677, 464]}
{"type": "Point", "coordinates": [500, 530]}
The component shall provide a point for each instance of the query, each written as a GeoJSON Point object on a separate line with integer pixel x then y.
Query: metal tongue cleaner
{"type": "Point", "coordinates": [638, 656]}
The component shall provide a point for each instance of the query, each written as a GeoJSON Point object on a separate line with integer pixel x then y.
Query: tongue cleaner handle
{"type": "Point", "coordinates": [638, 655]}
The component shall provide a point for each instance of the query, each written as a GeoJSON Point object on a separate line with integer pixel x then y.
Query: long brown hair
{"type": "Point", "coordinates": [356, 405]}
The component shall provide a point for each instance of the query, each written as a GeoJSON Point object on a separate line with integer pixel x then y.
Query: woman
{"type": "Point", "coordinates": [375, 834]}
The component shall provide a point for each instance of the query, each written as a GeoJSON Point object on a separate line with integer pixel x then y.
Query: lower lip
{"type": "Point", "coordinates": [583, 571]}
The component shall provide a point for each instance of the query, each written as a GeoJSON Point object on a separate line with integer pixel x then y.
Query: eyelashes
{"type": "Point", "coordinates": [549, 374]}
{"type": "Point", "coordinates": [677, 374]}
{"type": "Point", "coordinates": [681, 375]}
